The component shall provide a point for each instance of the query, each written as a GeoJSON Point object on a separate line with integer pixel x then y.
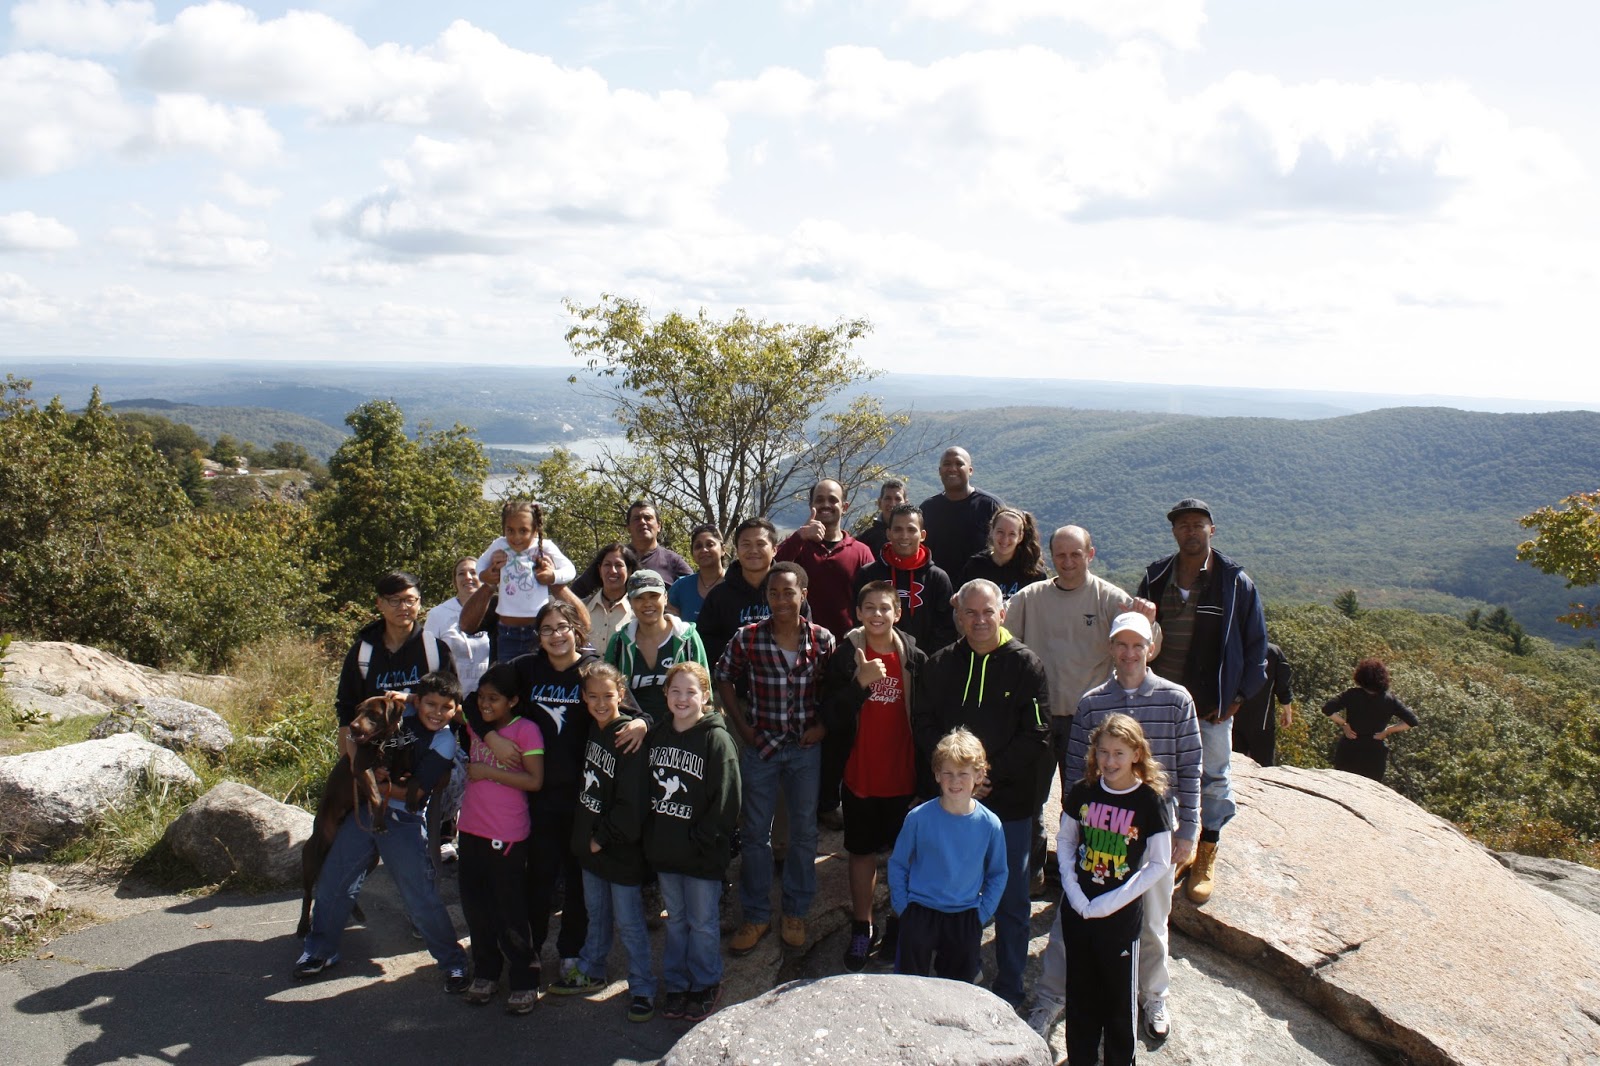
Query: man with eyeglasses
{"type": "Point", "coordinates": [1213, 643]}
{"type": "Point", "coordinates": [389, 655]}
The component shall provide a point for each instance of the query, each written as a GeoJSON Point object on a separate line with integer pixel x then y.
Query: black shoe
{"type": "Point", "coordinates": [674, 1005]}
{"type": "Point", "coordinates": [640, 1009]}
{"type": "Point", "coordinates": [308, 965]}
{"type": "Point", "coordinates": [456, 981]}
{"type": "Point", "coordinates": [856, 952]}
{"type": "Point", "coordinates": [703, 1004]}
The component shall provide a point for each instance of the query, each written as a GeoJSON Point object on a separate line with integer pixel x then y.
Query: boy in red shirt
{"type": "Point", "coordinates": [867, 703]}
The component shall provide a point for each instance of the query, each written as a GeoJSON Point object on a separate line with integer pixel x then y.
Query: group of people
{"type": "Point", "coordinates": [917, 686]}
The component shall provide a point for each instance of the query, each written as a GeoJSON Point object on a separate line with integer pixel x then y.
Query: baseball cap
{"type": "Point", "coordinates": [1188, 504]}
{"type": "Point", "coordinates": [1132, 621]}
{"type": "Point", "coordinates": [645, 581]}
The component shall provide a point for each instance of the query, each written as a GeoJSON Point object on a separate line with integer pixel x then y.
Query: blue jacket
{"type": "Point", "coordinates": [1241, 668]}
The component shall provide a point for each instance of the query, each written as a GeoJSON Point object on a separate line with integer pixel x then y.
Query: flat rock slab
{"type": "Point", "coordinates": [235, 830]}
{"type": "Point", "coordinates": [170, 722]}
{"type": "Point", "coordinates": [49, 797]}
{"type": "Point", "coordinates": [861, 1018]}
{"type": "Point", "coordinates": [1576, 884]}
{"type": "Point", "coordinates": [30, 699]}
{"type": "Point", "coordinates": [1397, 927]}
{"type": "Point", "coordinates": [59, 667]}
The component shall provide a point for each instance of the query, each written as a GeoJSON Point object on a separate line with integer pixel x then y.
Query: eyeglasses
{"type": "Point", "coordinates": [402, 601]}
{"type": "Point", "coordinates": [557, 631]}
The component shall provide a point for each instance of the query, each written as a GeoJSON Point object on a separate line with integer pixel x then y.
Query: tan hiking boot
{"type": "Point", "coordinates": [748, 936]}
{"type": "Point", "coordinates": [1202, 875]}
{"type": "Point", "coordinates": [794, 931]}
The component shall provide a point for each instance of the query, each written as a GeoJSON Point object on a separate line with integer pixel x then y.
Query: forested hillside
{"type": "Point", "coordinates": [261, 426]}
{"type": "Point", "coordinates": [1413, 507]}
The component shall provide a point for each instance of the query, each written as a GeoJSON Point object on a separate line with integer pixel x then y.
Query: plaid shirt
{"type": "Point", "coordinates": [783, 699]}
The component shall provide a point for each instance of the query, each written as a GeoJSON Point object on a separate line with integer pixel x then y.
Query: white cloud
{"type": "Point", "coordinates": [24, 305]}
{"type": "Point", "coordinates": [1177, 21]}
{"type": "Point", "coordinates": [82, 26]}
{"type": "Point", "coordinates": [245, 194]}
{"type": "Point", "coordinates": [369, 273]}
{"type": "Point", "coordinates": [1029, 127]}
{"type": "Point", "coordinates": [204, 238]}
{"type": "Point", "coordinates": [56, 113]}
{"type": "Point", "coordinates": [24, 231]}
{"type": "Point", "coordinates": [185, 121]}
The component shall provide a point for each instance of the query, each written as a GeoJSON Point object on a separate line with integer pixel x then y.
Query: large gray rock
{"type": "Point", "coordinates": [170, 722]}
{"type": "Point", "coordinates": [24, 899]}
{"type": "Point", "coordinates": [50, 797]}
{"type": "Point", "coordinates": [1396, 927]}
{"type": "Point", "coordinates": [58, 667]}
{"type": "Point", "coordinates": [235, 830]}
{"type": "Point", "coordinates": [1576, 884]}
{"type": "Point", "coordinates": [30, 699]}
{"type": "Point", "coordinates": [862, 1018]}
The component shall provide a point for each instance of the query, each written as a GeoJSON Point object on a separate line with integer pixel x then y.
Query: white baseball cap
{"type": "Point", "coordinates": [1132, 620]}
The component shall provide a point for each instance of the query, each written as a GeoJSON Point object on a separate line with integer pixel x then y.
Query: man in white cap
{"type": "Point", "coordinates": [1166, 713]}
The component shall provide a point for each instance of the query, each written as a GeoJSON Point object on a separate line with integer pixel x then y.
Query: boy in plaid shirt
{"type": "Point", "coordinates": [782, 659]}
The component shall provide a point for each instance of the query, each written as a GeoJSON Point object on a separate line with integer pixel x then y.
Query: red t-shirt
{"type": "Point", "coordinates": [882, 762]}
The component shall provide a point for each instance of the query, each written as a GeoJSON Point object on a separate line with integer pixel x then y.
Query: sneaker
{"type": "Point", "coordinates": [522, 1001]}
{"type": "Point", "coordinates": [576, 983]}
{"type": "Point", "coordinates": [855, 955]}
{"type": "Point", "coordinates": [455, 982]}
{"type": "Point", "coordinates": [1157, 1024]}
{"type": "Point", "coordinates": [640, 1009]}
{"type": "Point", "coordinates": [1043, 1017]}
{"type": "Point", "coordinates": [480, 991]}
{"type": "Point", "coordinates": [794, 932]}
{"type": "Point", "coordinates": [749, 935]}
{"type": "Point", "coordinates": [674, 1005]}
{"type": "Point", "coordinates": [448, 853]}
{"type": "Point", "coordinates": [308, 965]}
{"type": "Point", "coordinates": [703, 1004]}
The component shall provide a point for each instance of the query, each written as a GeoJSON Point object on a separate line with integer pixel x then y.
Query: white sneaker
{"type": "Point", "coordinates": [1157, 1024]}
{"type": "Point", "coordinates": [1043, 1016]}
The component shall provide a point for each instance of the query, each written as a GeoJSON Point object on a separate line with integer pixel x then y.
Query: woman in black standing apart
{"type": "Point", "coordinates": [1366, 714]}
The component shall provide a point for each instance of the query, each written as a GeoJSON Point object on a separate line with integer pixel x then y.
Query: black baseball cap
{"type": "Point", "coordinates": [1188, 504]}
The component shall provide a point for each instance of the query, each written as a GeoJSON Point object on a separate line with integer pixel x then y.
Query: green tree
{"type": "Point", "coordinates": [1347, 603]}
{"type": "Point", "coordinates": [727, 418]}
{"type": "Point", "coordinates": [1568, 545]}
{"type": "Point", "coordinates": [226, 451]}
{"type": "Point", "coordinates": [396, 502]}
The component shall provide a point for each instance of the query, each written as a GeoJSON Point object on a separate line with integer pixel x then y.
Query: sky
{"type": "Point", "coordinates": [1364, 196]}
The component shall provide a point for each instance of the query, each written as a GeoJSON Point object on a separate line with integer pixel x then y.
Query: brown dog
{"type": "Point", "coordinates": [374, 730]}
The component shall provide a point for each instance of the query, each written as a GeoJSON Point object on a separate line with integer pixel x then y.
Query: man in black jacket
{"type": "Point", "coordinates": [992, 684]}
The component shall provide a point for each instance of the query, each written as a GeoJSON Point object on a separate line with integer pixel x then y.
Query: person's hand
{"type": "Point", "coordinates": [869, 671]}
{"type": "Point", "coordinates": [813, 529]}
{"type": "Point", "coordinates": [1233, 709]}
{"type": "Point", "coordinates": [631, 736]}
{"type": "Point", "coordinates": [1286, 715]}
{"type": "Point", "coordinates": [503, 749]}
{"type": "Point", "coordinates": [1145, 607]}
{"type": "Point", "coordinates": [813, 736]}
{"type": "Point", "coordinates": [1182, 852]}
{"type": "Point", "coordinates": [491, 576]}
{"type": "Point", "coordinates": [983, 788]}
{"type": "Point", "coordinates": [477, 771]}
{"type": "Point", "coordinates": [594, 847]}
{"type": "Point", "coordinates": [1348, 732]}
{"type": "Point", "coordinates": [544, 572]}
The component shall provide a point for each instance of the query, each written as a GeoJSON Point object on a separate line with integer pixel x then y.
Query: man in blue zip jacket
{"type": "Point", "coordinates": [995, 686]}
{"type": "Point", "coordinates": [1213, 643]}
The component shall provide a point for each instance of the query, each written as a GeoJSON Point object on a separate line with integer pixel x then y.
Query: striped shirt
{"type": "Point", "coordinates": [1166, 713]}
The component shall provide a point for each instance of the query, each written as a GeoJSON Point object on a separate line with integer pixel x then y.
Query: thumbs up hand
{"type": "Point", "coordinates": [813, 529]}
{"type": "Point", "coordinates": [869, 671]}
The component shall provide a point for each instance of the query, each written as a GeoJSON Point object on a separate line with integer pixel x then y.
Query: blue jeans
{"type": "Point", "coordinates": [692, 957]}
{"type": "Point", "coordinates": [404, 850]}
{"type": "Point", "coordinates": [1216, 780]}
{"type": "Point", "coordinates": [798, 772]}
{"type": "Point", "coordinates": [514, 641]}
{"type": "Point", "coordinates": [1012, 918]}
{"type": "Point", "coordinates": [623, 904]}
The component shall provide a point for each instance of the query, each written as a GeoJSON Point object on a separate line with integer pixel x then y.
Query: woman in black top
{"type": "Point", "coordinates": [1365, 713]}
{"type": "Point", "coordinates": [1013, 557]}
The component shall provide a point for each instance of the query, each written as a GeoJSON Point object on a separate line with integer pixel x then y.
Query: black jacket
{"type": "Point", "coordinates": [386, 671]}
{"type": "Point", "coordinates": [1001, 697]}
{"type": "Point", "coordinates": [694, 791]}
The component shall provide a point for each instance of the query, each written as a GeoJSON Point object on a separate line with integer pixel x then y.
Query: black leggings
{"type": "Point", "coordinates": [494, 898]}
{"type": "Point", "coordinates": [550, 858]}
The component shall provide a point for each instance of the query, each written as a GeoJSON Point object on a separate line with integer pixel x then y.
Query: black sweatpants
{"type": "Point", "coordinates": [549, 858]}
{"type": "Point", "coordinates": [942, 943]}
{"type": "Point", "coordinates": [1102, 984]}
{"type": "Point", "coordinates": [494, 898]}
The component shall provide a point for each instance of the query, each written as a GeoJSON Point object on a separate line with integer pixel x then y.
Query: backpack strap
{"type": "Point", "coordinates": [364, 658]}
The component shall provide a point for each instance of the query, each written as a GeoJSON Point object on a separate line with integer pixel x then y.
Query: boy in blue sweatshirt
{"type": "Point", "coordinates": [948, 868]}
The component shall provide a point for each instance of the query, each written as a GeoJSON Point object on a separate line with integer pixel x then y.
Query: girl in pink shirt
{"type": "Point", "coordinates": [493, 846]}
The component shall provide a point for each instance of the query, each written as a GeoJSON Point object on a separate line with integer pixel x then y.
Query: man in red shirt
{"type": "Point", "coordinates": [867, 705]}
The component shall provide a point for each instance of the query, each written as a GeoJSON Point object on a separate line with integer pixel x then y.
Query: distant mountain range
{"type": "Point", "coordinates": [1314, 493]}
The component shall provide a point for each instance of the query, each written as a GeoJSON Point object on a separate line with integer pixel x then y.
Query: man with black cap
{"type": "Point", "coordinates": [1214, 643]}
